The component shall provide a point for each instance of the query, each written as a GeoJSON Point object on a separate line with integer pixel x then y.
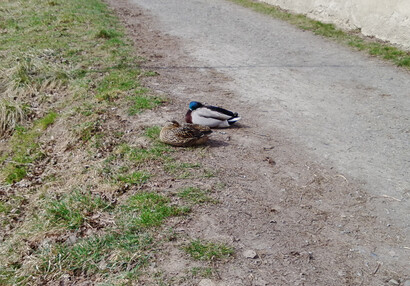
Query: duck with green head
{"type": "Point", "coordinates": [208, 115]}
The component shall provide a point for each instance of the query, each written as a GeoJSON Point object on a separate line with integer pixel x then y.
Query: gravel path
{"type": "Point", "coordinates": [350, 110]}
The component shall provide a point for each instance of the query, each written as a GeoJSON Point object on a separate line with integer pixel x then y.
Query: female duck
{"type": "Point", "coordinates": [184, 135]}
{"type": "Point", "coordinates": [209, 115]}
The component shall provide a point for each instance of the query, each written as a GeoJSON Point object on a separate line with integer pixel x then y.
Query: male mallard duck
{"type": "Point", "coordinates": [184, 135]}
{"type": "Point", "coordinates": [209, 115]}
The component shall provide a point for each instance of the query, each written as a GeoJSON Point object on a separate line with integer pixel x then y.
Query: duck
{"type": "Point", "coordinates": [184, 135]}
{"type": "Point", "coordinates": [208, 115]}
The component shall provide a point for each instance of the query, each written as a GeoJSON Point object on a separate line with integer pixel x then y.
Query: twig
{"type": "Point", "coordinates": [342, 177]}
{"type": "Point", "coordinates": [390, 197]}
{"type": "Point", "coordinates": [377, 268]}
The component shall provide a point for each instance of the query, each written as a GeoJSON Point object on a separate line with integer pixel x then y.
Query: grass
{"type": "Point", "coordinates": [205, 272]}
{"type": "Point", "coordinates": [208, 251]}
{"type": "Point", "coordinates": [69, 87]}
{"type": "Point", "coordinates": [73, 209]}
{"type": "Point", "coordinates": [112, 252]}
{"type": "Point", "coordinates": [181, 170]}
{"type": "Point", "coordinates": [141, 101]}
{"type": "Point", "coordinates": [379, 49]}
{"type": "Point", "coordinates": [195, 195]}
{"type": "Point", "coordinates": [11, 114]}
{"type": "Point", "coordinates": [156, 151]}
{"type": "Point", "coordinates": [134, 178]}
{"type": "Point", "coordinates": [151, 209]}
{"type": "Point", "coordinates": [25, 150]}
{"type": "Point", "coordinates": [153, 133]}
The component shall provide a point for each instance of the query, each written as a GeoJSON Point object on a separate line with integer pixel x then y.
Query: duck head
{"type": "Point", "coordinates": [194, 105]}
{"type": "Point", "coordinates": [172, 124]}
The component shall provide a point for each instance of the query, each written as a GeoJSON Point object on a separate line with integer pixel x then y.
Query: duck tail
{"type": "Point", "coordinates": [233, 120]}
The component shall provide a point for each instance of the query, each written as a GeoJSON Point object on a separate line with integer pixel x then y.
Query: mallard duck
{"type": "Point", "coordinates": [209, 115]}
{"type": "Point", "coordinates": [184, 135]}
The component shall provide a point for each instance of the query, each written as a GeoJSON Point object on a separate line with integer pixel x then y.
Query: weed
{"type": "Point", "coordinates": [195, 195]}
{"type": "Point", "coordinates": [85, 131]}
{"type": "Point", "coordinates": [141, 101]}
{"type": "Point", "coordinates": [112, 252]}
{"type": "Point", "coordinates": [150, 73]}
{"type": "Point", "coordinates": [4, 208]}
{"type": "Point", "coordinates": [208, 250]}
{"type": "Point", "coordinates": [138, 154]}
{"type": "Point", "coordinates": [117, 83]}
{"type": "Point", "coordinates": [47, 120]}
{"type": "Point", "coordinates": [205, 272]}
{"type": "Point", "coordinates": [208, 173]}
{"type": "Point", "coordinates": [73, 209]}
{"type": "Point", "coordinates": [25, 149]}
{"type": "Point", "coordinates": [153, 132]}
{"type": "Point", "coordinates": [152, 209]}
{"type": "Point", "coordinates": [108, 34]}
{"type": "Point", "coordinates": [179, 169]}
{"type": "Point", "coordinates": [11, 114]}
{"type": "Point", "coordinates": [134, 178]}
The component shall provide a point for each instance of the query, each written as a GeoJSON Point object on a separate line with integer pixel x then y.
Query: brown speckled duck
{"type": "Point", "coordinates": [184, 135]}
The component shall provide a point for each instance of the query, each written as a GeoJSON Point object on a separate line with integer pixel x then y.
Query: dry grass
{"type": "Point", "coordinates": [11, 114]}
{"type": "Point", "coordinates": [75, 162]}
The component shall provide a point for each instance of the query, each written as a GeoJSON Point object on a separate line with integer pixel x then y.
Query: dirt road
{"type": "Point", "coordinates": [317, 173]}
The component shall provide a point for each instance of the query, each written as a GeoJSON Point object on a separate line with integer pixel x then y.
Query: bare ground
{"type": "Point", "coordinates": [308, 224]}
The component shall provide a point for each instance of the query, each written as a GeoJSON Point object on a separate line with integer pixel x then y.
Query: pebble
{"type": "Point", "coordinates": [250, 254]}
{"type": "Point", "coordinates": [206, 282]}
{"type": "Point", "coordinates": [394, 282]}
{"type": "Point", "coordinates": [406, 283]}
{"type": "Point", "coordinates": [71, 239]}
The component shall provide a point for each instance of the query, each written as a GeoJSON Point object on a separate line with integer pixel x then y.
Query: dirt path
{"type": "Point", "coordinates": [316, 174]}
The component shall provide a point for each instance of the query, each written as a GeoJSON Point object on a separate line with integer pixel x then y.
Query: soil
{"type": "Point", "coordinates": [307, 222]}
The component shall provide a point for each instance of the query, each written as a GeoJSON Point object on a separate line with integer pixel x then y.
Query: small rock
{"type": "Point", "coordinates": [394, 282]}
{"type": "Point", "coordinates": [270, 161]}
{"type": "Point", "coordinates": [206, 282]}
{"type": "Point", "coordinates": [71, 239]}
{"type": "Point", "coordinates": [102, 265]}
{"type": "Point", "coordinates": [250, 254]}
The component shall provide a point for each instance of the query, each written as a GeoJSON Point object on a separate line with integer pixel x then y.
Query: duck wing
{"type": "Point", "coordinates": [221, 110]}
{"type": "Point", "coordinates": [214, 113]}
{"type": "Point", "coordinates": [189, 131]}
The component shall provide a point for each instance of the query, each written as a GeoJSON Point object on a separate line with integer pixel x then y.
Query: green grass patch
{"type": "Point", "coordinates": [87, 130]}
{"type": "Point", "coordinates": [141, 101]}
{"type": "Point", "coordinates": [108, 34]}
{"type": "Point", "coordinates": [111, 253]}
{"type": "Point", "coordinates": [73, 209]}
{"type": "Point", "coordinates": [157, 151]}
{"type": "Point", "coordinates": [11, 114]}
{"type": "Point", "coordinates": [151, 209]}
{"type": "Point", "coordinates": [47, 120]}
{"type": "Point", "coordinates": [117, 83]}
{"type": "Point", "coordinates": [208, 251]}
{"type": "Point", "coordinates": [195, 195]}
{"type": "Point", "coordinates": [134, 178]}
{"type": "Point", "coordinates": [25, 149]}
{"type": "Point", "coordinates": [379, 49]}
{"type": "Point", "coordinates": [153, 132]}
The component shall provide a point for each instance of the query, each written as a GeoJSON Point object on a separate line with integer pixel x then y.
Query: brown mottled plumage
{"type": "Point", "coordinates": [184, 135]}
